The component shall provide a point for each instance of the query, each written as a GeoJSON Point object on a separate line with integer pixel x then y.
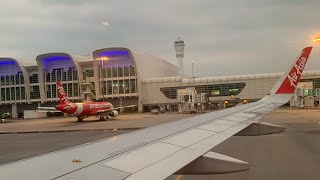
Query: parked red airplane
{"type": "Point", "coordinates": [82, 110]}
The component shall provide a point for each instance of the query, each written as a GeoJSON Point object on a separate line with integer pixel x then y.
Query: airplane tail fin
{"type": "Point", "coordinates": [288, 83]}
{"type": "Point", "coordinates": [62, 94]}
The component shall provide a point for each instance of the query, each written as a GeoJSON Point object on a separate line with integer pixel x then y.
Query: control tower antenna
{"type": "Point", "coordinates": [179, 47]}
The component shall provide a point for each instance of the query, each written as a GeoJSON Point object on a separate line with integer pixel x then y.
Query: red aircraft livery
{"type": "Point", "coordinates": [82, 110]}
{"type": "Point", "coordinates": [291, 81]}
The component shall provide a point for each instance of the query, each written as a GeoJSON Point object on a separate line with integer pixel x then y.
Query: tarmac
{"type": "Point", "coordinates": [294, 154]}
{"type": "Point", "coordinates": [69, 124]}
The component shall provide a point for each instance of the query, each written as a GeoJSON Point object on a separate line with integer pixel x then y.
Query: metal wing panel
{"type": "Point", "coordinates": [267, 109]}
{"type": "Point", "coordinates": [216, 127]}
{"type": "Point", "coordinates": [96, 172]}
{"type": "Point", "coordinates": [166, 167]}
{"type": "Point", "coordinates": [56, 164]}
{"type": "Point", "coordinates": [226, 122]}
{"type": "Point", "coordinates": [190, 137]}
{"type": "Point", "coordinates": [173, 163]}
{"type": "Point", "coordinates": [143, 157]}
{"type": "Point", "coordinates": [257, 106]}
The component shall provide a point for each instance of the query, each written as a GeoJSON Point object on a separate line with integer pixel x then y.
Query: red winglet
{"type": "Point", "coordinates": [290, 83]}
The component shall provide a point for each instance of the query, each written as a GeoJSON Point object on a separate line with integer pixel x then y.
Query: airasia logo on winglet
{"type": "Point", "coordinates": [294, 76]}
{"type": "Point", "coordinates": [289, 84]}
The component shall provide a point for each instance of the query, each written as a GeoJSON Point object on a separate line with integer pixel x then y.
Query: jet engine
{"type": "Point", "coordinates": [114, 113]}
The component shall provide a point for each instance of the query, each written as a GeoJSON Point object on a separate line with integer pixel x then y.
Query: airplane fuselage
{"type": "Point", "coordinates": [84, 109]}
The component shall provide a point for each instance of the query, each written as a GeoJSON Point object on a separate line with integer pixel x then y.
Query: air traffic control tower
{"type": "Point", "coordinates": [179, 47]}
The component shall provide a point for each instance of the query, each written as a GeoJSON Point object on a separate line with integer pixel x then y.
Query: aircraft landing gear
{"type": "Point", "coordinates": [80, 119]}
{"type": "Point", "coordinates": [104, 117]}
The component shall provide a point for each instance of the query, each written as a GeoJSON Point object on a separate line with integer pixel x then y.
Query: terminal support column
{"type": "Point", "coordinates": [14, 110]}
{"type": "Point", "coordinates": [120, 104]}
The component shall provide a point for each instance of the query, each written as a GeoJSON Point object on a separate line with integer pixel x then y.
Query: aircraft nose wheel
{"type": "Point", "coordinates": [104, 117]}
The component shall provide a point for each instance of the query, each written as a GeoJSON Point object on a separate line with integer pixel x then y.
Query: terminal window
{"type": "Point", "coordinates": [89, 73]}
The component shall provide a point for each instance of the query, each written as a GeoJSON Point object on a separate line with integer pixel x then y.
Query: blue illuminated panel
{"type": "Point", "coordinates": [115, 58]}
{"type": "Point", "coordinates": [8, 67]}
{"type": "Point", "coordinates": [113, 53]}
{"type": "Point", "coordinates": [2, 63]}
{"type": "Point", "coordinates": [54, 58]}
{"type": "Point", "coordinates": [54, 62]}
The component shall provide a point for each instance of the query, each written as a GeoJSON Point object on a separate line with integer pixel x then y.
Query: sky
{"type": "Point", "coordinates": [222, 37]}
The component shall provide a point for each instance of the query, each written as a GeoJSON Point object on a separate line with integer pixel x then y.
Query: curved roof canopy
{"type": "Point", "coordinates": [51, 61]}
{"type": "Point", "coordinates": [9, 66]}
{"type": "Point", "coordinates": [114, 57]}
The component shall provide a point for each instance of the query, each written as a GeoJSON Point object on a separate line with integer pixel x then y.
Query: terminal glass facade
{"type": "Point", "coordinates": [213, 90]}
{"type": "Point", "coordinates": [60, 68]}
{"type": "Point", "coordinates": [34, 86]}
{"type": "Point", "coordinates": [117, 73]}
{"type": "Point", "coordinates": [12, 85]}
{"type": "Point", "coordinates": [315, 82]}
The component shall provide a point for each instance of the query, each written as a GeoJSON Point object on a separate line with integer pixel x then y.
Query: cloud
{"type": "Point", "coordinates": [222, 37]}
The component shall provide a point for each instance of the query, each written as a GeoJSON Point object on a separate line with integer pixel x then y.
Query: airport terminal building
{"type": "Point", "coordinates": [110, 74]}
{"type": "Point", "coordinates": [251, 87]}
{"type": "Point", "coordinates": [121, 76]}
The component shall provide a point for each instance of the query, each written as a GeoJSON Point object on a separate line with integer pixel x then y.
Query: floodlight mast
{"type": "Point", "coordinates": [316, 40]}
{"type": "Point", "coordinates": [193, 73]}
{"type": "Point", "coordinates": [102, 76]}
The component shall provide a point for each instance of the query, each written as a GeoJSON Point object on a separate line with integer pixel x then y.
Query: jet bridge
{"type": "Point", "coordinates": [191, 101]}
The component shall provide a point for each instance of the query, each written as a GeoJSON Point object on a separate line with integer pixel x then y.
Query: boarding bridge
{"type": "Point", "coordinates": [305, 98]}
{"type": "Point", "coordinates": [190, 101]}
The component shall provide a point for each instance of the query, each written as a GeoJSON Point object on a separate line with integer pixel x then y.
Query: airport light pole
{"type": "Point", "coordinates": [100, 69]}
{"type": "Point", "coordinates": [102, 66]}
{"type": "Point", "coordinates": [193, 73]}
{"type": "Point", "coordinates": [316, 39]}
{"type": "Point", "coordinates": [102, 59]}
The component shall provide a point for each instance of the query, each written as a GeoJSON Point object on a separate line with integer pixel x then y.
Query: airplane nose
{"type": "Point", "coordinates": [58, 107]}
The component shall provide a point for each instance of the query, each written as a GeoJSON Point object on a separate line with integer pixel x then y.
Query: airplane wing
{"type": "Point", "coordinates": [124, 107]}
{"type": "Point", "coordinates": [181, 147]}
{"type": "Point", "coordinates": [117, 108]}
{"type": "Point", "coordinates": [47, 109]}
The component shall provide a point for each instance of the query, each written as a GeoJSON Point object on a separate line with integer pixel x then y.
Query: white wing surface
{"type": "Point", "coordinates": [157, 152]}
{"type": "Point", "coordinates": [47, 109]}
{"type": "Point", "coordinates": [117, 108]}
